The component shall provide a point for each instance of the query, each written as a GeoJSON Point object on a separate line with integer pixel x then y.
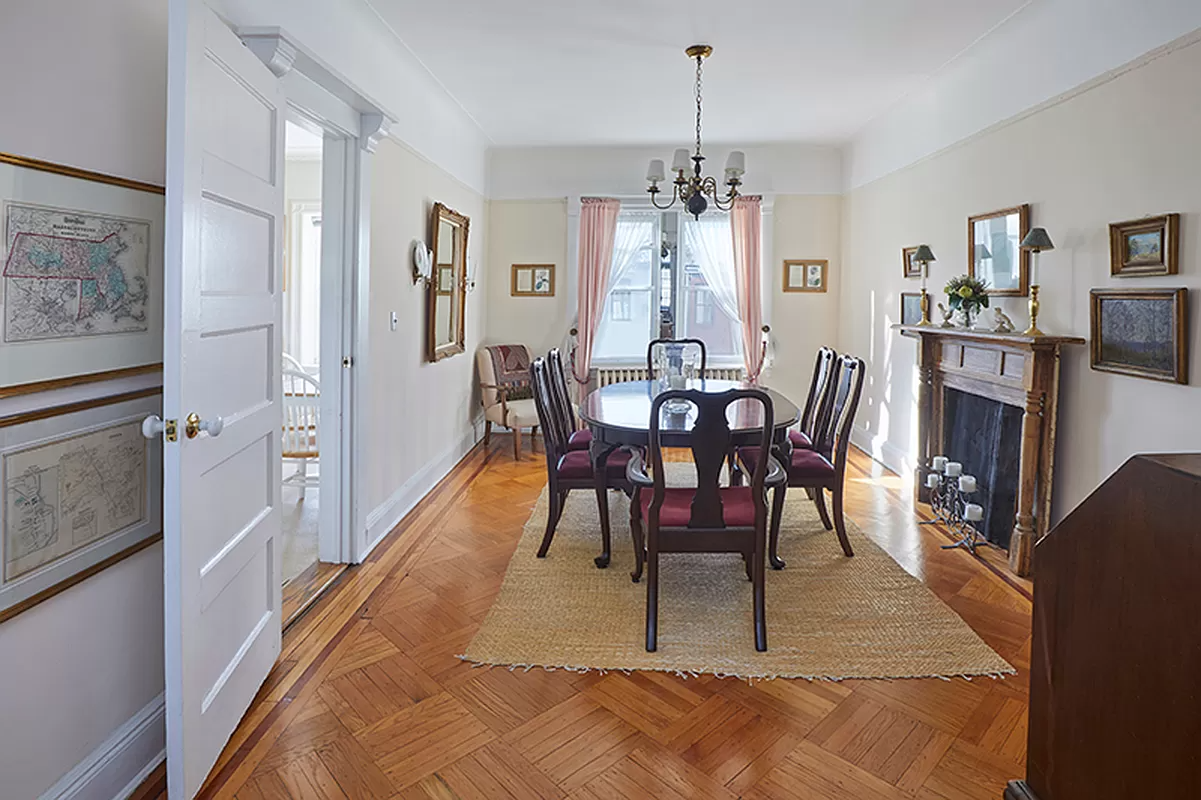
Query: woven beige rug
{"type": "Point", "coordinates": [828, 616]}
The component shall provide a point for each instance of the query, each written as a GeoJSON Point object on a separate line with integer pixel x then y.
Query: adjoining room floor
{"type": "Point", "coordinates": [369, 698]}
{"type": "Point", "coordinates": [299, 531]}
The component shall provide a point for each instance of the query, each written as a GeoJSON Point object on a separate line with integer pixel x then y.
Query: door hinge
{"type": "Point", "coordinates": [170, 431]}
{"type": "Point", "coordinates": [347, 362]}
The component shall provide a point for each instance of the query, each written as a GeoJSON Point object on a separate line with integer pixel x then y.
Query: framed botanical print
{"type": "Point", "coordinates": [1143, 333]}
{"type": "Point", "coordinates": [910, 268]}
{"type": "Point", "coordinates": [805, 275]}
{"type": "Point", "coordinates": [82, 488]}
{"type": "Point", "coordinates": [994, 252]}
{"type": "Point", "coordinates": [532, 280]}
{"type": "Point", "coordinates": [1143, 247]}
{"type": "Point", "coordinates": [80, 276]}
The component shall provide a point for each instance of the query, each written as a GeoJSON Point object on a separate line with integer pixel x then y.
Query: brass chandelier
{"type": "Point", "coordinates": [690, 186]}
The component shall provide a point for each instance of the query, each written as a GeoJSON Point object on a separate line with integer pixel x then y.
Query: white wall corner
{"type": "Point", "coordinates": [385, 517]}
{"type": "Point", "coordinates": [122, 761]}
{"type": "Point", "coordinates": [882, 450]}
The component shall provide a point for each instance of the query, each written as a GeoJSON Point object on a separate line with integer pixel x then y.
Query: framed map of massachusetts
{"type": "Point", "coordinates": [79, 487]}
{"type": "Point", "coordinates": [81, 264]}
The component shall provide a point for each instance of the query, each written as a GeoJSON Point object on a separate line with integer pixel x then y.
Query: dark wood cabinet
{"type": "Point", "coordinates": [1115, 686]}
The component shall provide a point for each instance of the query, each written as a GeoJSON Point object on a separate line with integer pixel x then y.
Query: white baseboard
{"type": "Point", "coordinates": [882, 450]}
{"type": "Point", "coordinates": [122, 761]}
{"type": "Point", "coordinates": [388, 514]}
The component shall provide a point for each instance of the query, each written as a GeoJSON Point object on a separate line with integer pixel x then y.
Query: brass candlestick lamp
{"type": "Point", "coordinates": [924, 256]}
{"type": "Point", "coordinates": [1036, 241]}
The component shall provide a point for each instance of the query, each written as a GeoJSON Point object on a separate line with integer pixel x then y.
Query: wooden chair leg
{"type": "Point", "coordinates": [555, 499]}
{"type": "Point", "coordinates": [735, 470]}
{"type": "Point", "coordinates": [517, 444]}
{"type": "Point", "coordinates": [839, 523]}
{"type": "Point", "coordinates": [778, 496]}
{"type": "Point", "coordinates": [487, 433]}
{"type": "Point", "coordinates": [652, 596]}
{"type": "Point", "coordinates": [636, 534]}
{"type": "Point", "coordinates": [819, 500]}
{"type": "Point", "coordinates": [534, 439]}
{"type": "Point", "coordinates": [760, 592]}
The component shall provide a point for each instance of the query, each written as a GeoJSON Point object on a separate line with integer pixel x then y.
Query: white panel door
{"type": "Point", "coordinates": [221, 355]}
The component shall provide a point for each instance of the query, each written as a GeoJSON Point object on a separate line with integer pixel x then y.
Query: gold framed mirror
{"type": "Point", "coordinates": [994, 252]}
{"type": "Point", "coordinates": [446, 289]}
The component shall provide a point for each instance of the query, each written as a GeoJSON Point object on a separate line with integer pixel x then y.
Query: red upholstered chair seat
{"type": "Point", "coordinates": [799, 439]}
{"type": "Point", "coordinates": [738, 506]}
{"type": "Point", "coordinates": [580, 440]}
{"type": "Point", "coordinates": [806, 464]}
{"type": "Point", "coordinates": [576, 465]}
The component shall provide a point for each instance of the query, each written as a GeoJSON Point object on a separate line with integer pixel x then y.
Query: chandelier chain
{"type": "Point", "coordinates": [699, 62]}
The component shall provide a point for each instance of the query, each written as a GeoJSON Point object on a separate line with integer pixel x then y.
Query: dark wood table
{"type": "Point", "coordinates": [620, 415]}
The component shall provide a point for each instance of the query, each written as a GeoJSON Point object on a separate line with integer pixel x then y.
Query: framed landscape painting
{"type": "Point", "coordinates": [1145, 246]}
{"type": "Point", "coordinates": [1140, 333]}
{"type": "Point", "coordinates": [80, 276]}
{"type": "Point", "coordinates": [911, 308]}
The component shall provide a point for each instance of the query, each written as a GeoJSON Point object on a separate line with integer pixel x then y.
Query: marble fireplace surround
{"type": "Point", "coordinates": [1015, 369]}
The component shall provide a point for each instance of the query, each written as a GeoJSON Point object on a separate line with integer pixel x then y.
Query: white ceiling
{"type": "Point", "coordinates": [605, 72]}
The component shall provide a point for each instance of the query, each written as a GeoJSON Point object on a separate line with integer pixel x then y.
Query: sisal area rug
{"type": "Point", "coordinates": [828, 616]}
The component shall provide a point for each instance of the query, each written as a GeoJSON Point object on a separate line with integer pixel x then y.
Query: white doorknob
{"type": "Point", "coordinates": [153, 426]}
{"type": "Point", "coordinates": [193, 425]}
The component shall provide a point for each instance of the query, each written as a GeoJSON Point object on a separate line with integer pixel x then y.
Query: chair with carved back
{"type": "Point", "coordinates": [690, 351]}
{"type": "Point", "coordinates": [578, 439]}
{"type": "Point", "coordinates": [708, 518]}
{"type": "Point", "coordinates": [566, 470]}
{"type": "Point", "coordinates": [823, 370]}
{"type": "Point", "coordinates": [823, 467]}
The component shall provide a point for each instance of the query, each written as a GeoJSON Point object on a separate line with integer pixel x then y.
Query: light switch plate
{"type": "Point", "coordinates": [393, 321]}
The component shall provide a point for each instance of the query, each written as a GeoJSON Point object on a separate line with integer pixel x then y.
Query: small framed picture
{"type": "Point", "coordinates": [532, 280]}
{"type": "Point", "coordinates": [1144, 246]}
{"type": "Point", "coordinates": [911, 308]}
{"type": "Point", "coordinates": [1143, 333]}
{"type": "Point", "coordinates": [911, 268]}
{"type": "Point", "coordinates": [805, 275]}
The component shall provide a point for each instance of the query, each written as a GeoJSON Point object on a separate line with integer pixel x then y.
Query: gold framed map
{"type": "Point", "coordinates": [81, 264]}
{"type": "Point", "coordinates": [79, 487]}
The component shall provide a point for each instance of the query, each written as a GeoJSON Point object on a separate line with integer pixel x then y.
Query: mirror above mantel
{"type": "Point", "coordinates": [446, 287]}
{"type": "Point", "coordinates": [995, 254]}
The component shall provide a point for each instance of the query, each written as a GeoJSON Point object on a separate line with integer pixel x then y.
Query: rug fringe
{"type": "Point", "coordinates": [749, 678]}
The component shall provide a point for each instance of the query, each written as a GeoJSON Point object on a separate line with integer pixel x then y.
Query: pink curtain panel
{"type": "Point", "coordinates": [598, 230]}
{"type": "Point", "coordinates": [745, 221]}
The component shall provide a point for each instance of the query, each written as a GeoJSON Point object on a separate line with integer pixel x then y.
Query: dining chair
{"type": "Point", "coordinates": [301, 426]}
{"type": "Point", "coordinates": [708, 518]}
{"type": "Point", "coordinates": [505, 392]}
{"type": "Point", "coordinates": [660, 349]}
{"type": "Point", "coordinates": [816, 400]}
{"type": "Point", "coordinates": [566, 470]}
{"type": "Point", "coordinates": [822, 468]}
{"type": "Point", "coordinates": [578, 439]}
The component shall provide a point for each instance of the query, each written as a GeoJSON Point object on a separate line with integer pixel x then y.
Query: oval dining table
{"type": "Point", "coordinates": [619, 416]}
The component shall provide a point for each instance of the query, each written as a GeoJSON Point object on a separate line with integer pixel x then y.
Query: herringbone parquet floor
{"type": "Point", "coordinates": [369, 701]}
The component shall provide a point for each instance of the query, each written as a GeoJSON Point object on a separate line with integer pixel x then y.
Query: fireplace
{"type": "Point", "coordinates": [985, 435]}
{"type": "Point", "coordinates": [990, 400]}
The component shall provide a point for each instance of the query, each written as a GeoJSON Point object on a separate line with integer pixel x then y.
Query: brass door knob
{"type": "Point", "coordinates": [193, 425]}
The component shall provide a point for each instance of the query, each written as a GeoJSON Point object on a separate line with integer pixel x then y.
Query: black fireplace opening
{"type": "Point", "coordinates": [985, 435]}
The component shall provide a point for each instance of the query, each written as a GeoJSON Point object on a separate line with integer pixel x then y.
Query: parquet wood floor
{"type": "Point", "coordinates": [369, 701]}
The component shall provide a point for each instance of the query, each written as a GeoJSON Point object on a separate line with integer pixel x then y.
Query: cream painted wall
{"type": "Point", "coordinates": [527, 232]}
{"type": "Point", "coordinates": [804, 227]}
{"type": "Point", "coordinates": [420, 415]}
{"type": "Point", "coordinates": [77, 667]}
{"type": "Point", "coordinates": [1124, 149]}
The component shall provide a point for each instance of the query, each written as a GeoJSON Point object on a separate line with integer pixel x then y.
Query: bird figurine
{"type": "Point", "coordinates": [946, 316]}
{"type": "Point", "coordinates": [1001, 322]}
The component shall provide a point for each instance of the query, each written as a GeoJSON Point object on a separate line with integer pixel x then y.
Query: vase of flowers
{"type": "Point", "coordinates": [967, 294]}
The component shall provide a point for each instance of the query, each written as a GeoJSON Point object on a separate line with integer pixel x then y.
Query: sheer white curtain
{"type": "Point", "coordinates": [634, 230]}
{"type": "Point", "coordinates": [709, 243]}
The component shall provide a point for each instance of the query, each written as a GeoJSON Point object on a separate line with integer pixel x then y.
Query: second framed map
{"type": "Point", "coordinates": [81, 276]}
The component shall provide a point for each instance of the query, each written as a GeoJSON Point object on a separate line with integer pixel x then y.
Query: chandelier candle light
{"type": "Point", "coordinates": [924, 256]}
{"type": "Point", "coordinates": [1036, 241]}
{"type": "Point", "coordinates": [689, 185]}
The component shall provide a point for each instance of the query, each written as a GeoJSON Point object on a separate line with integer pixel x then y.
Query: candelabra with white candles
{"type": "Point", "coordinates": [950, 500]}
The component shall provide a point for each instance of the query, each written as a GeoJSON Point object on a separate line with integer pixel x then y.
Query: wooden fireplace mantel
{"type": "Point", "coordinates": [1016, 369]}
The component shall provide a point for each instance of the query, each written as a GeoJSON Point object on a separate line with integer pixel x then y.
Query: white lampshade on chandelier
{"type": "Point", "coordinates": [689, 186]}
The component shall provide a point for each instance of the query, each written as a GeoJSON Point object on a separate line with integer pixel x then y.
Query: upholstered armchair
{"type": "Point", "coordinates": [505, 392]}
